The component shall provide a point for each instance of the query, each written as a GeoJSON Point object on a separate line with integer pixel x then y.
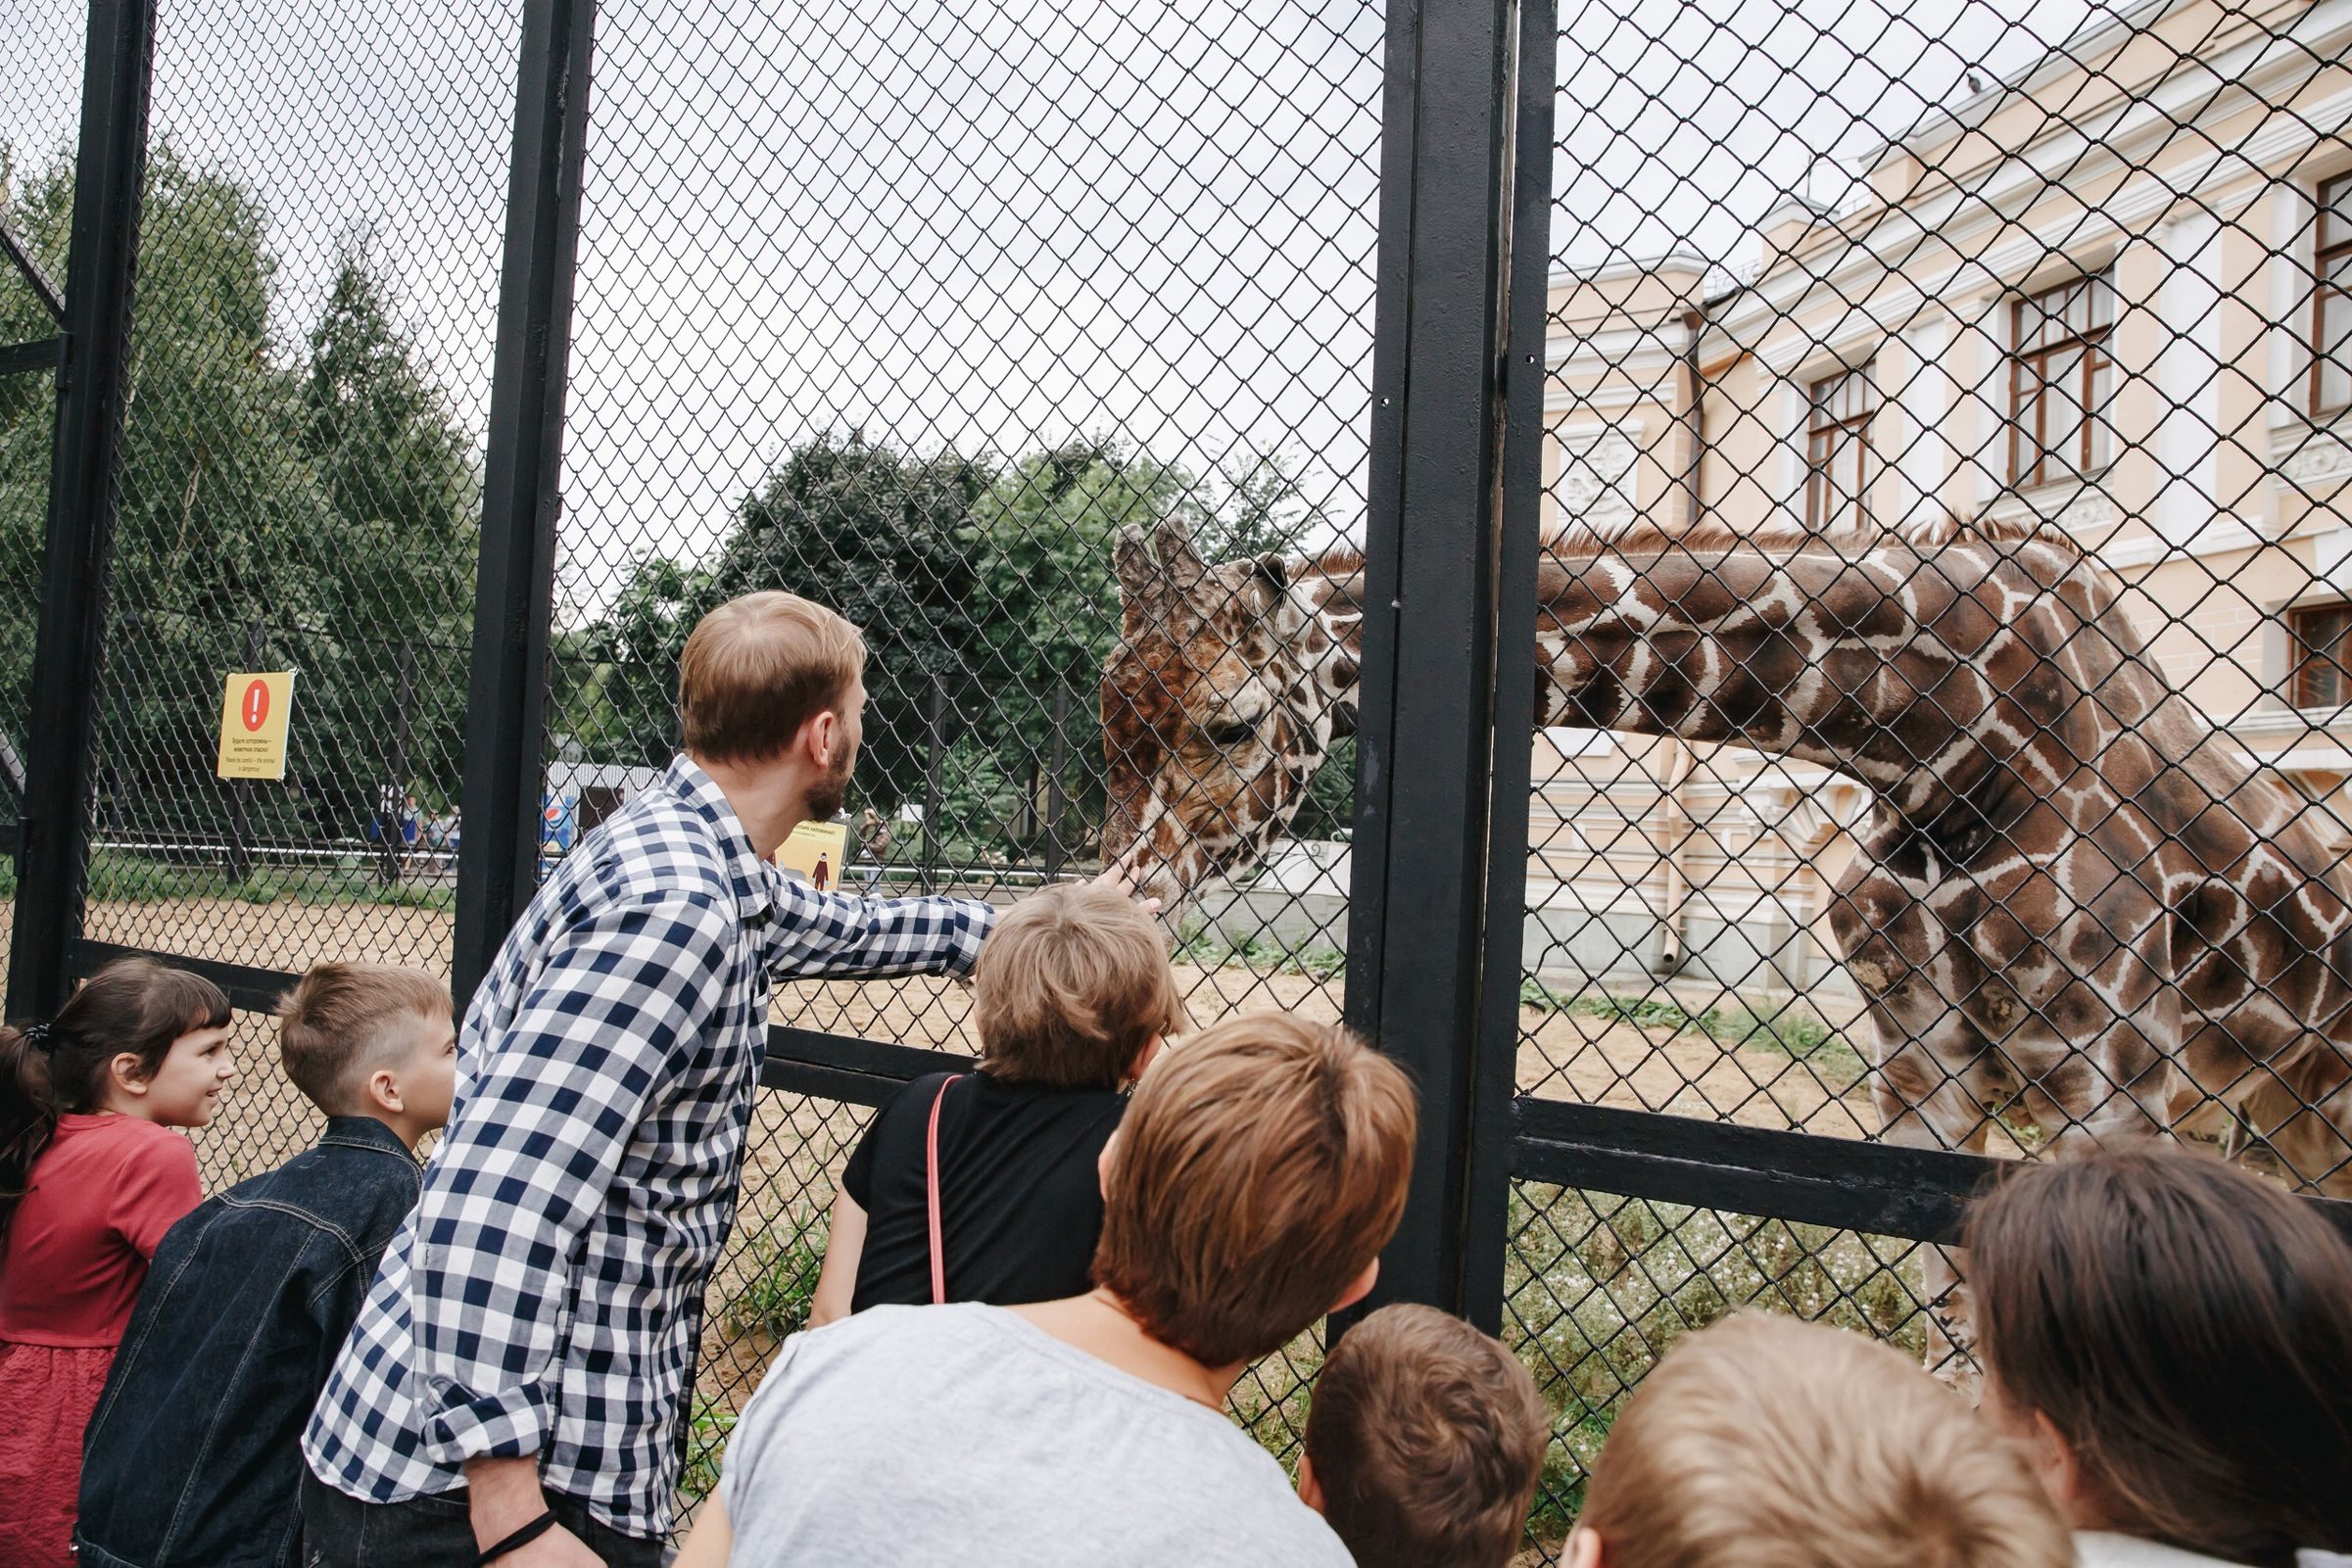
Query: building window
{"type": "Point", "coordinates": [2320, 655]}
{"type": "Point", "coordinates": [1836, 448]}
{"type": "Point", "coordinates": [2060, 376]}
{"type": "Point", "coordinates": [2332, 300]}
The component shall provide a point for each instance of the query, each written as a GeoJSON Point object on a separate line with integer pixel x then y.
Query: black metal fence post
{"type": "Point", "coordinates": [935, 755]}
{"type": "Point", "coordinates": [1057, 793]}
{"type": "Point", "coordinates": [1494, 1079]}
{"type": "Point", "coordinates": [497, 858]}
{"type": "Point", "coordinates": [1419, 864]}
{"type": "Point", "coordinates": [93, 384]}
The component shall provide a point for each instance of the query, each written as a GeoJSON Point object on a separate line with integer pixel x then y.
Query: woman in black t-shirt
{"type": "Point", "coordinates": [1073, 996]}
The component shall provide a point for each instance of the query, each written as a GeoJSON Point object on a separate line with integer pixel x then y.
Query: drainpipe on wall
{"type": "Point", "coordinates": [1675, 760]}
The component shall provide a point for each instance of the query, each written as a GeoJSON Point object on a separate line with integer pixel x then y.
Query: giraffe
{"type": "Point", "coordinates": [2070, 897]}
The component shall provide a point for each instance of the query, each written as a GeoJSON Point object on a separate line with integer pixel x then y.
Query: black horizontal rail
{"type": "Point", "coordinates": [40, 354]}
{"type": "Point", "coordinates": [1874, 1187]}
{"type": "Point", "coordinates": [1877, 1188]}
{"type": "Point", "coordinates": [831, 1067]}
{"type": "Point", "coordinates": [248, 988]}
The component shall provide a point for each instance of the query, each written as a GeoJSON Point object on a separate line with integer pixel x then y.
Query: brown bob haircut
{"type": "Point", "coordinates": [342, 1022]}
{"type": "Point", "coordinates": [1768, 1442]}
{"type": "Point", "coordinates": [1258, 1170]}
{"type": "Point", "coordinates": [1426, 1438]}
{"type": "Point", "coordinates": [759, 667]}
{"type": "Point", "coordinates": [2186, 1326]}
{"type": "Point", "coordinates": [1070, 985]}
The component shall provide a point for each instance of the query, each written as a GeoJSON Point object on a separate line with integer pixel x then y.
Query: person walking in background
{"type": "Point", "coordinates": [194, 1457]}
{"type": "Point", "coordinates": [517, 1379]}
{"type": "Point", "coordinates": [91, 1176]}
{"type": "Point", "coordinates": [873, 846]}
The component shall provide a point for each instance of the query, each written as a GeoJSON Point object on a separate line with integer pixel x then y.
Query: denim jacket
{"type": "Point", "coordinates": [193, 1455]}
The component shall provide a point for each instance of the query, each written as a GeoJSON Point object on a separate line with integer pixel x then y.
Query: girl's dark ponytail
{"type": "Point", "coordinates": [27, 1113]}
{"type": "Point", "coordinates": [135, 1006]}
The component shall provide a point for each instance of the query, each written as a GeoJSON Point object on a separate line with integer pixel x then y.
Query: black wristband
{"type": "Point", "coordinates": [519, 1540]}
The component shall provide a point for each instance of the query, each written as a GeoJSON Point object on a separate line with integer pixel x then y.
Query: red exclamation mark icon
{"type": "Point", "coordinates": [256, 705]}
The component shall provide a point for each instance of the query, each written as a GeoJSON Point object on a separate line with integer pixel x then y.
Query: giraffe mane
{"type": "Point", "coordinates": [1576, 541]}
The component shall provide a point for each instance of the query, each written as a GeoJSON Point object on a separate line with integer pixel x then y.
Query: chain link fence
{"type": "Point", "coordinates": [1930, 316]}
{"type": "Point", "coordinates": [1041, 342]}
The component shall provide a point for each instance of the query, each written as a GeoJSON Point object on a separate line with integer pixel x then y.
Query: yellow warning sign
{"type": "Point", "coordinates": [814, 853]}
{"type": "Point", "coordinates": [254, 709]}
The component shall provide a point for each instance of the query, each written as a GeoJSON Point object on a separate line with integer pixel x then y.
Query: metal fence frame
{"type": "Point", "coordinates": [1465, 204]}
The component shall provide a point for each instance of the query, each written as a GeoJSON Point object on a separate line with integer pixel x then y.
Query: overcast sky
{"type": "Point", "coordinates": [979, 225]}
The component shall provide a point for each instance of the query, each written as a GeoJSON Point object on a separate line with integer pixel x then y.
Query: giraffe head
{"type": "Point", "coordinates": [1218, 706]}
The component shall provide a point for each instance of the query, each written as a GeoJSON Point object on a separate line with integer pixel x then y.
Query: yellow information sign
{"type": "Point", "coordinates": [814, 853]}
{"type": "Point", "coordinates": [254, 709]}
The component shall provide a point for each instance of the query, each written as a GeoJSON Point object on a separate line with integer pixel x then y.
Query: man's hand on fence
{"type": "Point", "coordinates": [1130, 872]}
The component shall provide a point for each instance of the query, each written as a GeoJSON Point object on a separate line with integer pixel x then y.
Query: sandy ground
{"type": "Point", "coordinates": [1562, 1055]}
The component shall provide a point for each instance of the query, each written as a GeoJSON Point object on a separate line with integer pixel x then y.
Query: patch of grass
{"type": "Point", "coordinates": [1597, 1288]}
{"type": "Point", "coordinates": [711, 1426]}
{"type": "Point", "coordinates": [1206, 948]}
{"type": "Point", "coordinates": [782, 1285]}
{"type": "Point", "coordinates": [1807, 1038]}
{"type": "Point", "coordinates": [1790, 1030]}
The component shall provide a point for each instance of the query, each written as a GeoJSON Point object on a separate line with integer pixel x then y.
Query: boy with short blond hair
{"type": "Point", "coordinates": [1072, 996]}
{"type": "Point", "coordinates": [1251, 1187]}
{"type": "Point", "coordinates": [1768, 1442]}
{"type": "Point", "coordinates": [1424, 1442]}
{"type": "Point", "coordinates": [193, 1456]}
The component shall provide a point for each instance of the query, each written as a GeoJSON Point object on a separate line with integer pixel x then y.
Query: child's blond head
{"type": "Point", "coordinates": [1768, 1442]}
{"type": "Point", "coordinates": [1071, 986]}
{"type": "Point", "coordinates": [1425, 1440]}
{"type": "Point", "coordinates": [342, 1022]}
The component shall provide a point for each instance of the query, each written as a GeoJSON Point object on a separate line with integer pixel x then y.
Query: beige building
{"type": "Point", "coordinates": [2114, 292]}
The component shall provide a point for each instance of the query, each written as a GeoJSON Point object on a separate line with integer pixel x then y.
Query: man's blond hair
{"type": "Point", "coordinates": [759, 667]}
{"type": "Point", "coordinates": [342, 1022]}
{"type": "Point", "coordinates": [1258, 1170]}
{"type": "Point", "coordinates": [1769, 1442]}
{"type": "Point", "coordinates": [1071, 986]}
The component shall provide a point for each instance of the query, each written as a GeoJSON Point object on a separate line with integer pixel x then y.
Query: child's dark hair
{"type": "Point", "coordinates": [133, 1006]}
{"type": "Point", "coordinates": [2186, 1326]}
{"type": "Point", "coordinates": [1427, 1439]}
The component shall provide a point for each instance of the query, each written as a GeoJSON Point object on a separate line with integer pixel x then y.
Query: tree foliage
{"type": "Point", "coordinates": [320, 503]}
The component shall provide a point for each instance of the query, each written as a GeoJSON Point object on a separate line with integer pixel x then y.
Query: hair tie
{"type": "Point", "coordinates": [39, 1036]}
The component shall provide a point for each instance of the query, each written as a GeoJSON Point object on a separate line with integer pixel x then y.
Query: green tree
{"type": "Point", "coordinates": [617, 693]}
{"type": "Point", "coordinates": [394, 595]}
{"type": "Point", "coordinates": [323, 502]}
{"type": "Point", "coordinates": [1042, 537]}
{"type": "Point", "coordinates": [878, 535]}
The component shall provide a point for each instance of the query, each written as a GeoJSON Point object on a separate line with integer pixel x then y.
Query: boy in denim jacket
{"type": "Point", "coordinates": [194, 1456]}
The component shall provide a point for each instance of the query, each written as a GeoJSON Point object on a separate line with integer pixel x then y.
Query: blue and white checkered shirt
{"type": "Point", "coordinates": [545, 1297]}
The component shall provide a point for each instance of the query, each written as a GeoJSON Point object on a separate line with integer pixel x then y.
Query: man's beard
{"type": "Point", "coordinates": [825, 800]}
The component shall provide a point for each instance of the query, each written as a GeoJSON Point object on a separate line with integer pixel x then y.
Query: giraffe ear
{"type": "Point", "coordinates": [1131, 560]}
{"type": "Point", "coordinates": [1181, 563]}
{"type": "Point", "coordinates": [1273, 574]}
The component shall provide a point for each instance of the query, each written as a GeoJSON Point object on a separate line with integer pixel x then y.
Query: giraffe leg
{"type": "Point", "coordinates": [1929, 1097]}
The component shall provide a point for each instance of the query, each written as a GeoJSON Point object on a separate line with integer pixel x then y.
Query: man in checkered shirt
{"type": "Point", "coordinates": [531, 1336]}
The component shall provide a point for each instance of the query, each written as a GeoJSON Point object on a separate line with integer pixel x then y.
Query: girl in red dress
{"type": "Point", "coordinates": [89, 1181]}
